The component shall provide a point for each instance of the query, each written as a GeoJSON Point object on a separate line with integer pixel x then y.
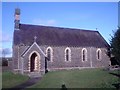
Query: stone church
{"type": "Point", "coordinates": [38, 49]}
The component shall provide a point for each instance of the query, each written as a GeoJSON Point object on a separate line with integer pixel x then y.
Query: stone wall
{"type": "Point", "coordinates": [76, 58]}
{"type": "Point", "coordinates": [59, 58]}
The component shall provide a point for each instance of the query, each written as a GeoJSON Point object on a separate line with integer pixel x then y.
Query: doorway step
{"type": "Point", "coordinates": [35, 74]}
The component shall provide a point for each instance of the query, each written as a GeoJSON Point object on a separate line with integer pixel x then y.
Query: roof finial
{"type": "Point", "coordinates": [35, 38]}
{"type": "Point", "coordinates": [96, 29]}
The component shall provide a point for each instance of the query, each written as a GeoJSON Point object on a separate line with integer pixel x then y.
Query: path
{"type": "Point", "coordinates": [26, 84]}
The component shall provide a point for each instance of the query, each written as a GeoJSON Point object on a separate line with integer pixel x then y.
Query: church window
{"type": "Point", "coordinates": [98, 54]}
{"type": "Point", "coordinates": [67, 54]}
{"type": "Point", "coordinates": [49, 53]}
{"type": "Point", "coordinates": [84, 54]}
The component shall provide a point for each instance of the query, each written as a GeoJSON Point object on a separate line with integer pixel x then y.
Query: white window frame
{"type": "Point", "coordinates": [69, 52]}
{"type": "Point", "coordinates": [51, 53]}
{"type": "Point", "coordinates": [100, 54]}
{"type": "Point", "coordinates": [85, 54]}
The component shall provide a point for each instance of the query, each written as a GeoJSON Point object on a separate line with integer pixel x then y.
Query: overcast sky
{"type": "Point", "coordinates": [82, 15]}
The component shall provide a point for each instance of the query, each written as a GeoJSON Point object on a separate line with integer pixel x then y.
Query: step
{"type": "Point", "coordinates": [35, 74]}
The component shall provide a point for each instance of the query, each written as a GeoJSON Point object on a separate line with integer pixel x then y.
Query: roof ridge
{"type": "Point", "coordinates": [60, 27]}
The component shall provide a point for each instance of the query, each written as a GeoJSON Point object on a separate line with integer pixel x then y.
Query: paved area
{"type": "Point", "coordinates": [26, 84]}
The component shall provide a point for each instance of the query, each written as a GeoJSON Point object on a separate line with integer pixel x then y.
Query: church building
{"type": "Point", "coordinates": [38, 49]}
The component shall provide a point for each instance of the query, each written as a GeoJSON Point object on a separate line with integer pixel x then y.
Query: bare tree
{"type": "Point", "coordinates": [6, 51]}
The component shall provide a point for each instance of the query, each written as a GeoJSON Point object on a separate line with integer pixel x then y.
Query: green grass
{"type": "Point", "coordinates": [10, 79]}
{"type": "Point", "coordinates": [87, 78]}
{"type": "Point", "coordinates": [0, 79]}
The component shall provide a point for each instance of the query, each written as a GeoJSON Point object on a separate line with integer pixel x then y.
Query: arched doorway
{"type": "Point", "coordinates": [34, 62]}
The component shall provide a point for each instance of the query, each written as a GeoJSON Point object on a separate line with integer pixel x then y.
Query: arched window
{"type": "Point", "coordinates": [67, 54]}
{"type": "Point", "coordinates": [49, 53]}
{"type": "Point", "coordinates": [84, 54]}
{"type": "Point", "coordinates": [98, 54]}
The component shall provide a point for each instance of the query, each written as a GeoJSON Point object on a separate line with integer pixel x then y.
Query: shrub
{"type": "Point", "coordinates": [4, 62]}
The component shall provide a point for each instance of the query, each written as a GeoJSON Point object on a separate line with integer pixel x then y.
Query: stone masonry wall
{"type": "Point", "coordinates": [59, 58]}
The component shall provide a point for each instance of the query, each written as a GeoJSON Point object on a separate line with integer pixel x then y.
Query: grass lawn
{"type": "Point", "coordinates": [9, 79]}
{"type": "Point", "coordinates": [87, 78]}
{"type": "Point", "coordinates": [0, 79]}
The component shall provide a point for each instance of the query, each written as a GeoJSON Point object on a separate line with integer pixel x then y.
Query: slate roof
{"type": "Point", "coordinates": [58, 36]}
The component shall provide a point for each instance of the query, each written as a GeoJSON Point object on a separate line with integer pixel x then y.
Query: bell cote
{"type": "Point", "coordinates": [17, 18]}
